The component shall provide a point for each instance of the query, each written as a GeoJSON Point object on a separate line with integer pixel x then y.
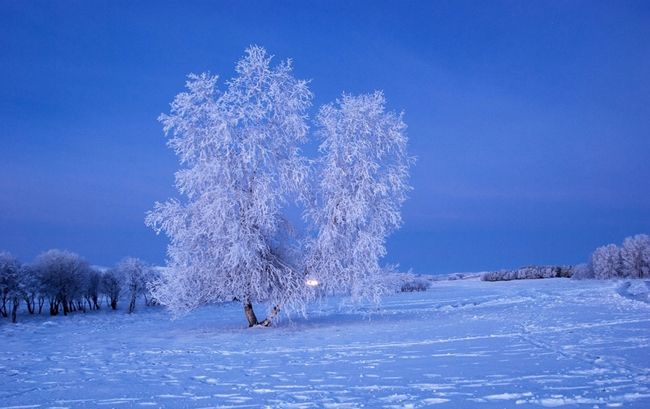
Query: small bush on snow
{"type": "Point", "coordinates": [417, 284]}
{"type": "Point", "coordinates": [408, 282]}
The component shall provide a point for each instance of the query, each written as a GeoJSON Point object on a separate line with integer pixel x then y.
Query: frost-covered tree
{"type": "Point", "coordinates": [408, 283]}
{"type": "Point", "coordinates": [605, 262]}
{"type": "Point", "coordinates": [92, 292]}
{"type": "Point", "coordinates": [153, 274]}
{"type": "Point", "coordinates": [30, 283]}
{"type": "Point", "coordinates": [363, 183]}
{"type": "Point", "coordinates": [134, 275]}
{"type": "Point", "coordinates": [111, 286]}
{"type": "Point", "coordinates": [635, 257]}
{"type": "Point", "coordinates": [64, 278]}
{"type": "Point", "coordinates": [582, 272]}
{"type": "Point", "coordinates": [239, 148]}
{"type": "Point", "coordinates": [529, 273]}
{"type": "Point", "coordinates": [10, 291]}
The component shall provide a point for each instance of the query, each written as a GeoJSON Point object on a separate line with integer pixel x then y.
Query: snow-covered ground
{"type": "Point", "coordinates": [468, 343]}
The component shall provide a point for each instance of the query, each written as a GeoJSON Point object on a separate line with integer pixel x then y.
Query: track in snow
{"type": "Point", "coordinates": [537, 343]}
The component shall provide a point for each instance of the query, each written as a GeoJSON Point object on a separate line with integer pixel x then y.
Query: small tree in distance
{"type": "Point", "coordinates": [111, 286]}
{"type": "Point", "coordinates": [10, 290]}
{"type": "Point", "coordinates": [93, 289]}
{"type": "Point", "coordinates": [134, 276]}
{"type": "Point", "coordinates": [64, 279]}
{"type": "Point", "coordinates": [31, 285]}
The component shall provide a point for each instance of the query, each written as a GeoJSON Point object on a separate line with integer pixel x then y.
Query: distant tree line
{"type": "Point", "coordinates": [631, 260]}
{"type": "Point", "coordinates": [65, 283]}
{"type": "Point", "coordinates": [528, 273]}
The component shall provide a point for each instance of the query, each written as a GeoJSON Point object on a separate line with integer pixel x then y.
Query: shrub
{"type": "Point", "coordinates": [416, 284]}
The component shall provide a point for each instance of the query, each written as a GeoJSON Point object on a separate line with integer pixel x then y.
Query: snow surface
{"type": "Point", "coordinates": [529, 343]}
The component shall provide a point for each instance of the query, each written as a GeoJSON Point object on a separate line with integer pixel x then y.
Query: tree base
{"type": "Point", "coordinates": [250, 314]}
{"type": "Point", "coordinates": [252, 318]}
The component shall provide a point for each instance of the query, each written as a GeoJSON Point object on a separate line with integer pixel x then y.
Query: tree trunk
{"type": "Point", "coordinates": [267, 321]}
{"type": "Point", "coordinates": [31, 304]}
{"type": "Point", "coordinates": [132, 305]}
{"type": "Point", "coordinates": [54, 307]}
{"type": "Point", "coordinates": [16, 304]}
{"type": "Point", "coordinates": [250, 314]}
{"type": "Point", "coordinates": [3, 307]}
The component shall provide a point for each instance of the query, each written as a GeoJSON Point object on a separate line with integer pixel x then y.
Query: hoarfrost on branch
{"type": "Point", "coordinates": [240, 149]}
{"type": "Point", "coordinates": [363, 183]}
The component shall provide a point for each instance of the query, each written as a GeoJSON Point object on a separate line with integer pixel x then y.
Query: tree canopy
{"type": "Point", "coordinates": [241, 165]}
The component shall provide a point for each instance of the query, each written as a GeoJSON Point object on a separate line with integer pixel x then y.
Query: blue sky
{"type": "Point", "coordinates": [530, 120]}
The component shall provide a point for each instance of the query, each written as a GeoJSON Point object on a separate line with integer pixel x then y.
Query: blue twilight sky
{"type": "Point", "coordinates": [530, 119]}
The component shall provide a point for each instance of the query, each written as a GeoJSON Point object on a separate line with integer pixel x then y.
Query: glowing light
{"type": "Point", "coordinates": [312, 283]}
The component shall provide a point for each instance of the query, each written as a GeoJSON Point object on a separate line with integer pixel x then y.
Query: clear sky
{"type": "Point", "coordinates": [530, 119]}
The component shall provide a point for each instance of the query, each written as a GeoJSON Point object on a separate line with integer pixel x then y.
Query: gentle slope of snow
{"type": "Point", "coordinates": [531, 343]}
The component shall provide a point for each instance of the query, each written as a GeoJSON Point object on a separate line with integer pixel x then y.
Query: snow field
{"type": "Point", "coordinates": [529, 343]}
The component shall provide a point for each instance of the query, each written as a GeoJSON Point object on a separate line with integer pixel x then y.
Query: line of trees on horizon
{"type": "Point", "coordinates": [529, 273]}
{"type": "Point", "coordinates": [631, 260]}
{"type": "Point", "coordinates": [66, 282]}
